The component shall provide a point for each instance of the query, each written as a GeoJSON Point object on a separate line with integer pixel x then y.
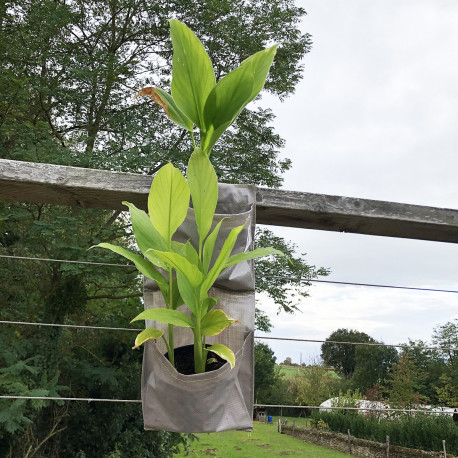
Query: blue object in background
{"type": "Point", "coordinates": [269, 419]}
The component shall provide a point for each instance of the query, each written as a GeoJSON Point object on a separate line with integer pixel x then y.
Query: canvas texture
{"type": "Point", "coordinates": [218, 400]}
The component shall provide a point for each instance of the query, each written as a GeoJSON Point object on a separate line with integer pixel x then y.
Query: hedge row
{"type": "Point", "coordinates": [424, 432]}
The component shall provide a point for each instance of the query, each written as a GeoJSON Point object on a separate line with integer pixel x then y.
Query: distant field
{"type": "Point", "coordinates": [262, 442]}
{"type": "Point", "coordinates": [291, 371]}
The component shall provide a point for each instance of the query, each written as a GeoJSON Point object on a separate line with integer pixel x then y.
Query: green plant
{"type": "Point", "coordinates": [421, 431]}
{"type": "Point", "coordinates": [196, 100]}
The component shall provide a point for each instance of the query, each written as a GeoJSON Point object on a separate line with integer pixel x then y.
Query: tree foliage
{"type": "Point", "coordinates": [341, 356]}
{"type": "Point", "coordinates": [418, 374]}
{"type": "Point", "coordinates": [284, 278]}
{"type": "Point", "coordinates": [314, 384]}
{"type": "Point", "coordinates": [404, 383]}
{"type": "Point", "coordinates": [372, 365]}
{"type": "Point", "coordinates": [265, 374]}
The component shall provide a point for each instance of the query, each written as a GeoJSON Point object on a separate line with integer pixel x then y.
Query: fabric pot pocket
{"type": "Point", "coordinates": [222, 399]}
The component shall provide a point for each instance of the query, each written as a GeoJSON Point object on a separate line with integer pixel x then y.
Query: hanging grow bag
{"type": "Point", "coordinates": [222, 399]}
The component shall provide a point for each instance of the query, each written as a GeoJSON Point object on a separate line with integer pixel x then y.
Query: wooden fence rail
{"type": "Point", "coordinates": [88, 188]}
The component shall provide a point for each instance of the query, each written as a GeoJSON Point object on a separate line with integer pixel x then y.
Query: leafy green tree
{"type": "Point", "coordinates": [431, 365]}
{"type": "Point", "coordinates": [446, 337]}
{"type": "Point", "coordinates": [447, 390]}
{"type": "Point", "coordinates": [265, 374]}
{"type": "Point", "coordinates": [288, 361]}
{"type": "Point", "coordinates": [404, 383]}
{"type": "Point", "coordinates": [284, 278]}
{"type": "Point", "coordinates": [339, 355]}
{"type": "Point", "coordinates": [314, 384]}
{"type": "Point", "coordinates": [372, 364]}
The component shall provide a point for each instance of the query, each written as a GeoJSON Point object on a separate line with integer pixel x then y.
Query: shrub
{"type": "Point", "coordinates": [419, 431]}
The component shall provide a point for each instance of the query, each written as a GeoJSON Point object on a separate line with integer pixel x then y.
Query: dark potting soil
{"type": "Point", "coordinates": [184, 360]}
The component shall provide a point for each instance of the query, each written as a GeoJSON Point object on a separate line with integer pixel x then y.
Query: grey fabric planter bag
{"type": "Point", "coordinates": [223, 399]}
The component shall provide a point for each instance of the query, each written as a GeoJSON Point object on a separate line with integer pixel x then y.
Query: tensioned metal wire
{"type": "Point", "coordinates": [138, 401]}
{"type": "Point", "coordinates": [105, 328]}
{"type": "Point", "coordinates": [421, 347]}
{"type": "Point", "coordinates": [305, 280]}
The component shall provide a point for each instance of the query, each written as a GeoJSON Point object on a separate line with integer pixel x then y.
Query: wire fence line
{"type": "Point", "coordinates": [57, 398]}
{"type": "Point", "coordinates": [106, 328]}
{"type": "Point", "coordinates": [67, 261]}
{"type": "Point", "coordinates": [304, 280]}
{"type": "Point", "coordinates": [75, 326]}
{"type": "Point", "coordinates": [371, 285]}
{"type": "Point", "coordinates": [138, 401]}
{"type": "Point", "coordinates": [370, 344]}
{"type": "Point", "coordinates": [366, 409]}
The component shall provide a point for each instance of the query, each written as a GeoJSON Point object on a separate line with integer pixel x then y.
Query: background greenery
{"type": "Point", "coordinates": [263, 441]}
{"type": "Point", "coordinates": [69, 71]}
{"type": "Point", "coordinates": [418, 431]}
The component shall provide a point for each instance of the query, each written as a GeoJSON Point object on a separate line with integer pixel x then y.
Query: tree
{"type": "Point", "coordinates": [284, 278]}
{"type": "Point", "coordinates": [372, 364]}
{"type": "Point", "coordinates": [69, 73]}
{"type": "Point", "coordinates": [265, 374]}
{"type": "Point", "coordinates": [339, 355]}
{"type": "Point", "coordinates": [288, 361]}
{"type": "Point", "coordinates": [314, 384]}
{"type": "Point", "coordinates": [431, 365]}
{"type": "Point", "coordinates": [404, 383]}
{"type": "Point", "coordinates": [446, 336]}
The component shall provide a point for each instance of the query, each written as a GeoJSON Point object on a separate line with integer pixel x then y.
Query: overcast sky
{"type": "Point", "coordinates": [375, 116]}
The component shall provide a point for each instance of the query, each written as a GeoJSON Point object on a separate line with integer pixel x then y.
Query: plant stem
{"type": "Point", "coordinates": [166, 345]}
{"type": "Point", "coordinates": [170, 326]}
{"type": "Point", "coordinates": [171, 349]}
{"type": "Point", "coordinates": [199, 360]}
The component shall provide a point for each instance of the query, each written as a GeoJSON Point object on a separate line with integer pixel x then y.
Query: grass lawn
{"type": "Point", "coordinates": [263, 441]}
{"type": "Point", "coordinates": [291, 371]}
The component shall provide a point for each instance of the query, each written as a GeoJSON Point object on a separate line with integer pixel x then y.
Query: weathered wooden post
{"type": "Point", "coordinates": [445, 451]}
{"type": "Point", "coordinates": [279, 425]}
{"type": "Point", "coordinates": [349, 442]}
{"type": "Point", "coordinates": [387, 446]}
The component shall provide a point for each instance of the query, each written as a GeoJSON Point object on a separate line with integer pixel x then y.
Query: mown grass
{"type": "Point", "coordinates": [263, 441]}
{"type": "Point", "coordinates": [291, 371]}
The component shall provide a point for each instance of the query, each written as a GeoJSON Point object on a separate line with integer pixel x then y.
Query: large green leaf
{"type": "Point", "coordinates": [165, 100]}
{"type": "Point", "coordinates": [168, 201]}
{"type": "Point", "coordinates": [165, 316]}
{"type": "Point", "coordinates": [220, 262]}
{"type": "Point", "coordinates": [145, 233]}
{"type": "Point", "coordinates": [233, 93]}
{"type": "Point", "coordinates": [257, 253]}
{"type": "Point", "coordinates": [224, 103]}
{"type": "Point", "coordinates": [210, 245]}
{"type": "Point", "coordinates": [173, 111]}
{"type": "Point", "coordinates": [147, 334]}
{"type": "Point", "coordinates": [186, 250]}
{"type": "Point", "coordinates": [144, 266]}
{"type": "Point", "coordinates": [209, 303]}
{"type": "Point", "coordinates": [260, 64]}
{"type": "Point", "coordinates": [190, 294]}
{"type": "Point", "coordinates": [192, 74]}
{"type": "Point", "coordinates": [214, 322]}
{"type": "Point", "coordinates": [223, 352]}
{"type": "Point", "coordinates": [177, 300]}
{"type": "Point", "coordinates": [203, 184]}
{"type": "Point", "coordinates": [179, 263]}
